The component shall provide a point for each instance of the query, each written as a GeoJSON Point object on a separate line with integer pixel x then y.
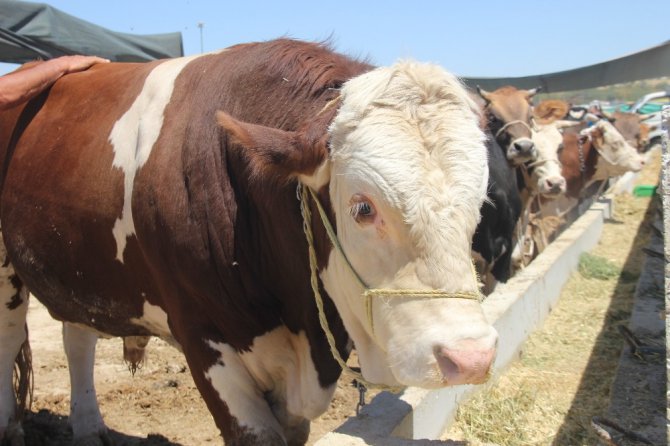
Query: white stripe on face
{"type": "Point", "coordinates": [135, 134]}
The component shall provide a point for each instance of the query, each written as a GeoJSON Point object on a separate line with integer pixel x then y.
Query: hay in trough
{"type": "Point", "coordinates": [566, 369]}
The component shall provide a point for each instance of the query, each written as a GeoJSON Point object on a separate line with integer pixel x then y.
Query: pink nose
{"type": "Point", "coordinates": [464, 365]}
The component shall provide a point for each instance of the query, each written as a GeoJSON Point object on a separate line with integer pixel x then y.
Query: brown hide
{"type": "Point", "coordinates": [577, 170]}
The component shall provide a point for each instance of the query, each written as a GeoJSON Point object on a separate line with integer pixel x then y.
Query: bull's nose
{"type": "Point", "coordinates": [464, 365]}
{"type": "Point", "coordinates": [555, 185]}
{"type": "Point", "coordinates": [525, 148]}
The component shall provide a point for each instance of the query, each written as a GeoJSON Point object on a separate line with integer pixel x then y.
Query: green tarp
{"type": "Point", "coordinates": [648, 64]}
{"type": "Point", "coordinates": [30, 31]}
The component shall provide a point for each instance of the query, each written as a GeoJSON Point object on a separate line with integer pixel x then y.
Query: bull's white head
{"type": "Point", "coordinates": [546, 178]}
{"type": "Point", "coordinates": [617, 156]}
{"type": "Point", "coordinates": [406, 176]}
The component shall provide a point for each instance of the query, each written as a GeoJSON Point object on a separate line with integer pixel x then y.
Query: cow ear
{"type": "Point", "coordinates": [276, 153]}
{"type": "Point", "coordinates": [550, 110]}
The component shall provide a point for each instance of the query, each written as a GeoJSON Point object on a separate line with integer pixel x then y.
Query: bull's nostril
{"type": "Point", "coordinates": [464, 366]}
{"type": "Point", "coordinates": [448, 367]}
{"type": "Point", "coordinates": [524, 147]}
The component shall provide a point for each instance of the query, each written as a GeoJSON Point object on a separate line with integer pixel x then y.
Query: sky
{"type": "Point", "coordinates": [471, 38]}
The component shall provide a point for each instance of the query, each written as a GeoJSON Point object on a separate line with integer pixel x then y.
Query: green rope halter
{"type": "Point", "coordinates": [304, 193]}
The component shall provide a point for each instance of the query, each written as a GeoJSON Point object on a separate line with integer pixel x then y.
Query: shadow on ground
{"type": "Point", "coordinates": [45, 428]}
{"type": "Point", "coordinates": [604, 357]}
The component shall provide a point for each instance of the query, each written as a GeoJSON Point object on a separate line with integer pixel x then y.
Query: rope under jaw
{"type": "Point", "coordinates": [304, 193]}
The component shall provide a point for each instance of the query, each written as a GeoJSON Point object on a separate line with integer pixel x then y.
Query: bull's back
{"type": "Point", "coordinates": [62, 195]}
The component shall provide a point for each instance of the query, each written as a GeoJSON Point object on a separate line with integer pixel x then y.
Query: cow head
{"type": "Point", "coordinates": [509, 114]}
{"type": "Point", "coordinates": [545, 172]}
{"type": "Point", "coordinates": [406, 176]}
{"type": "Point", "coordinates": [617, 156]}
{"type": "Point", "coordinates": [631, 127]}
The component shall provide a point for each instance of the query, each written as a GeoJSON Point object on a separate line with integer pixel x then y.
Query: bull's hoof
{"type": "Point", "coordinates": [99, 439]}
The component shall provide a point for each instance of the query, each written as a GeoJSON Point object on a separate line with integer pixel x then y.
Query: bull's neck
{"type": "Point", "coordinates": [279, 240]}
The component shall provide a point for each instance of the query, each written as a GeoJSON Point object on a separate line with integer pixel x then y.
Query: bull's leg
{"type": "Point", "coordinates": [238, 406]}
{"type": "Point", "coordinates": [85, 418]}
{"type": "Point", "coordinates": [14, 349]}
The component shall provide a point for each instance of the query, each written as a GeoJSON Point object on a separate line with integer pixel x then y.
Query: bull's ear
{"type": "Point", "coordinates": [276, 153]}
{"type": "Point", "coordinates": [550, 110]}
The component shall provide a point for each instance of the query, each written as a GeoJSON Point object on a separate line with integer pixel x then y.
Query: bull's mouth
{"type": "Point", "coordinates": [517, 159]}
{"type": "Point", "coordinates": [553, 193]}
{"type": "Point", "coordinates": [474, 381]}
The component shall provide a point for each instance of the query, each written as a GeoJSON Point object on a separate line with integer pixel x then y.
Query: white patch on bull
{"type": "Point", "coordinates": [279, 363]}
{"type": "Point", "coordinates": [407, 138]}
{"type": "Point", "coordinates": [547, 171]}
{"type": "Point", "coordinates": [85, 417]}
{"type": "Point", "coordinates": [12, 335]}
{"type": "Point", "coordinates": [155, 320]}
{"type": "Point", "coordinates": [319, 178]}
{"type": "Point", "coordinates": [135, 134]}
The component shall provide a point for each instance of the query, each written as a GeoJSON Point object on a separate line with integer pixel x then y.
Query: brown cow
{"type": "Point", "coordinates": [631, 127]}
{"type": "Point", "coordinates": [596, 153]}
{"type": "Point", "coordinates": [160, 199]}
{"type": "Point", "coordinates": [509, 115]}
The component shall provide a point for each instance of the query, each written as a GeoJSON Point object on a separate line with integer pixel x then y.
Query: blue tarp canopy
{"type": "Point", "coordinates": [30, 31]}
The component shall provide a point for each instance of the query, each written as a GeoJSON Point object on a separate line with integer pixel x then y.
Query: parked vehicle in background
{"type": "Point", "coordinates": [651, 104]}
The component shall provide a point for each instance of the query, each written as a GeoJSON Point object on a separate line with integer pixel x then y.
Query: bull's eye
{"type": "Point", "coordinates": [362, 209]}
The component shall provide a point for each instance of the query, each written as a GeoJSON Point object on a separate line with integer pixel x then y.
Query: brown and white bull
{"type": "Point", "coordinates": [632, 128]}
{"type": "Point", "coordinates": [160, 199]}
{"type": "Point", "coordinates": [596, 153]}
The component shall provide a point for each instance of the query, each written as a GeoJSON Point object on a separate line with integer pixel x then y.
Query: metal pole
{"type": "Point", "coordinates": [201, 25]}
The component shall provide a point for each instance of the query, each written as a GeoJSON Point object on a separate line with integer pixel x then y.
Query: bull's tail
{"type": "Point", "coordinates": [23, 379]}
